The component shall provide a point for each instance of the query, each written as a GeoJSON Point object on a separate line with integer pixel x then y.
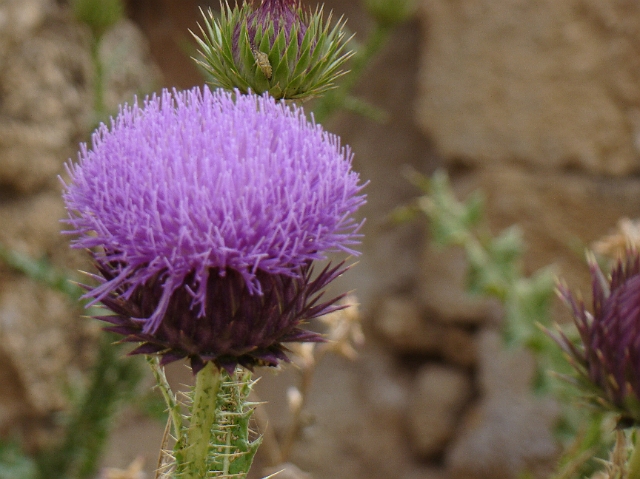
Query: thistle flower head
{"type": "Point", "coordinates": [608, 358]}
{"type": "Point", "coordinates": [205, 213]}
{"type": "Point", "coordinates": [278, 48]}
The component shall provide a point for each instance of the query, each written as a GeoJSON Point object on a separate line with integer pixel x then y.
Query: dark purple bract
{"type": "Point", "coordinates": [608, 359]}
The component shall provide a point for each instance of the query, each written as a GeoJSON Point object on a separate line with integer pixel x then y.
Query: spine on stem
{"type": "Point", "coordinates": [217, 442]}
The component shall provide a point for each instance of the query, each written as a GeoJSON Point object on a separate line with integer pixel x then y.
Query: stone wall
{"type": "Point", "coordinates": [46, 109]}
{"type": "Point", "coordinates": [45, 102]}
{"type": "Point", "coordinates": [536, 102]}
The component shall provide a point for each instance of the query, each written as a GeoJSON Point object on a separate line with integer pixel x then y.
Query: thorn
{"type": "Point", "coordinates": [274, 474]}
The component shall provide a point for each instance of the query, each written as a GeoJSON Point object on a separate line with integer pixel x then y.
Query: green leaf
{"type": "Point", "coordinates": [291, 55]}
{"type": "Point", "coordinates": [508, 246]}
{"type": "Point", "coordinates": [262, 39]}
{"type": "Point", "coordinates": [42, 271]}
{"type": "Point", "coordinates": [280, 44]}
{"type": "Point", "coordinates": [277, 58]}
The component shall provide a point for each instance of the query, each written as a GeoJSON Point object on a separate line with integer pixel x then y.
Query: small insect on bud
{"type": "Point", "coordinates": [262, 60]}
{"type": "Point", "coordinates": [298, 52]}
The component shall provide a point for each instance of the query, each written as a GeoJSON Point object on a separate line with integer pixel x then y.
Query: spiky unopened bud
{"type": "Point", "coordinates": [608, 357]}
{"type": "Point", "coordinates": [278, 48]}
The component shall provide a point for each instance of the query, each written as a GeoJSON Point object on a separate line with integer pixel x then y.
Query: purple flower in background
{"type": "Point", "coordinates": [608, 360]}
{"type": "Point", "coordinates": [205, 212]}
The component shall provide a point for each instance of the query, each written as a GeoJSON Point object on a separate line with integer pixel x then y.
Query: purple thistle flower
{"type": "Point", "coordinates": [205, 212]}
{"type": "Point", "coordinates": [608, 360]}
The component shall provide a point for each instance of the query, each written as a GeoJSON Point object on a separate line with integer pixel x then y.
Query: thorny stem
{"type": "Point", "coordinates": [203, 417]}
{"type": "Point", "coordinates": [214, 441]}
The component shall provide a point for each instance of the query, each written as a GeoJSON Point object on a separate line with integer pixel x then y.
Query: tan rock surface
{"type": "Point", "coordinates": [400, 323]}
{"type": "Point", "coordinates": [129, 68]}
{"type": "Point", "coordinates": [543, 83]}
{"type": "Point", "coordinates": [354, 418]}
{"type": "Point", "coordinates": [45, 75]}
{"type": "Point", "coordinates": [19, 18]}
{"type": "Point", "coordinates": [31, 317]}
{"type": "Point", "coordinates": [45, 83]}
{"type": "Point", "coordinates": [508, 431]}
{"type": "Point", "coordinates": [443, 291]}
{"type": "Point", "coordinates": [560, 213]}
{"type": "Point", "coordinates": [407, 329]}
{"type": "Point", "coordinates": [438, 397]}
{"type": "Point", "coordinates": [46, 108]}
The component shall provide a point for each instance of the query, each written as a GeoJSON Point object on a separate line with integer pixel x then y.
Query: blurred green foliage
{"type": "Point", "coordinates": [15, 464]}
{"type": "Point", "coordinates": [390, 13]}
{"type": "Point", "coordinates": [98, 15]}
{"type": "Point", "coordinates": [495, 266]}
{"type": "Point", "coordinates": [42, 271]}
{"type": "Point", "coordinates": [113, 379]}
{"type": "Point", "coordinates": [495, 269]}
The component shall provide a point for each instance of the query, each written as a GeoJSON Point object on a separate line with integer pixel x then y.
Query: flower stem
{"type": "Point", "coordinates": [235, 449]}
{"type": "Point", "coordinates": [634, 460]}
{"type": "Point", "coordinates": [195, 460]}
{"type": "Point", "coordinates": [216, 439]}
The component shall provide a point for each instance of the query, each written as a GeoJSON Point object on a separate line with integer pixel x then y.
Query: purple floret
{"type": "Point", "coordinates": [201, 183]}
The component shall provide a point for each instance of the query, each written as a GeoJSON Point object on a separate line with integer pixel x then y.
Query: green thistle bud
{"type": "Point", "coordinates": [277, 48]}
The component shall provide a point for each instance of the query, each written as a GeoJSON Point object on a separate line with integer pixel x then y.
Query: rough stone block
{"type": "Point", "coordinates": [543, 83]}
{"type": "Point", "coordinates": [440, 395]}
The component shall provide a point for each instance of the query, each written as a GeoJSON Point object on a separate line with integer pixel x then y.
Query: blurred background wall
{"type": "Point", "coordinates": [536, 102]}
